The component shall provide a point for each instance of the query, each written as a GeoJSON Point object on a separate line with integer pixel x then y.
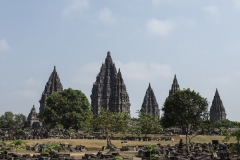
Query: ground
{"type": "Point", "coordinates": [95, 145]}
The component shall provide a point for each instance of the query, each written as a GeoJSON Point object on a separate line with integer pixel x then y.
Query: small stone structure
{"type": "Point", "coordinates": [32, 120]}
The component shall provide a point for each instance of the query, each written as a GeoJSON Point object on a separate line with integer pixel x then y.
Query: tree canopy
{"type": "Point", "coordinates": [10, 120]}
{"type": "Point", "coordinates": [148, 124]}
{"type": "Point", "coordinates": [112, 122]}
{"type": "Point", "coordinates": [68, 108]}
{"type": "Point", "coordinates": [185, 109]}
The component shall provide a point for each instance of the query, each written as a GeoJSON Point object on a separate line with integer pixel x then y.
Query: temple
{"type": "Point", "coordinates": [119, 99]}
{"type": "Point", "coordinates": [53, 85]}
{"type": "Point", "coordinates": [150, 104]}
{"type": "Point", "coordinates": [175, 86]}
{"type": "Point", "coordinates": [109, 91]}
{"type": "Point", "coordinates": [217, 110]}
{"type": "Point", "coordinates": [32, 120]}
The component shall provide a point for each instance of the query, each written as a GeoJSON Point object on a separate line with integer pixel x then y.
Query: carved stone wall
{"type": "Point", "coordinates": [109, 91]}
{"type": "Point", "coordinates": [53, 85]}
{"type": "Point", "coordinates": [175, 86]}
{"type": "Point", "coordinates": [119, 99]}
{"type": "Point", "coordinates": [150, 104]}
{"type": "Point", "coordinates": [217, 110]}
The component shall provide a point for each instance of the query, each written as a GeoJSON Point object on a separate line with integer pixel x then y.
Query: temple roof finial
{"type": "Point", "coordinates": [108, 54]}
{"type": "Point", "coordinates": [54, 68]}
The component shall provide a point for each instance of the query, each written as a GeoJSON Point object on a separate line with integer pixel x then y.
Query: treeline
{"type": "Point", "coordinates": [10, 120]}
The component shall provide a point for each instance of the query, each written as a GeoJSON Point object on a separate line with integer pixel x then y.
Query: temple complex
{"type": "Point", "coordinates": [32, 120]}
{"type": "Point", "coordinates": [150, 104]}
{"type": "Point", "coordinates": [108, 82]}
{"type": "Point", "coordinates": [53, 85]}
{"type": "Point", "coordinates": [119, 99]}
{"type": "Point", "coordinates": [175, 86]}
{"type": "Point", "coordinates": [217, 110]}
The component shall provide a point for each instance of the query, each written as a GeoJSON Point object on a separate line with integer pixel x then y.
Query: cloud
{"type": "Point", "coordinates": [4, 45]}
{"type": "Point", "coordinates": [133, 71]}
{"type": "Point", "coordinates": [159, 2]}
{"type": "Point", "coordinates": [237, 4]}
{"type": "Point", "coordinates": [25, 94]}
{"type": "Point", "coordinates": [141, 71]}
{"type": "Point", "coordinates": [211, 9]}
{"type": "Point", "coordinates": [160, 27]}
{"type": "Point", "coordinates": [106, 16]}
{"type": "Point", "coordinates": [76, 5]}
{"type": "Point", "coordinates": [234, 47]}
{"type": "Point", "coordinates": [31, 83]}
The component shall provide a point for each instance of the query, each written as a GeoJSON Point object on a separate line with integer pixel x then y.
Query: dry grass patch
{"type": "Point", "coordinates": [95, 145]}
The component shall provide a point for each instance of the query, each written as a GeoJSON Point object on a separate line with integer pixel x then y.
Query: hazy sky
{"type": "Point", "coordinates": [149, 40]}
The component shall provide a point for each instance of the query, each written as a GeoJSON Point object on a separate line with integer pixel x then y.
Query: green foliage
{"type": "Point", "coordinates": [112, 122]}
{"type": "Point", "coordinates": [18, 144]}
{"type": "Point", "coordinates": [185, 109]}
{"type": "Point", "coordinates": [152, 150]}
{"type": "Point", "coordinates": [225, 124]}
{"type": "Point", "coordinates": [117, 158]}
{"type": "Point", "coordinates": [20, 120]}
{"type": "Point", "coordinates": [70, 109]}
{"type": "Point", "coordinates": [10, 120]}
{"type": "Point", "coordinates": [236, 135]}
{"type": "Point", "coordinates": [148, 124]}
{"type": "Point", "coordinates": [51, 148]}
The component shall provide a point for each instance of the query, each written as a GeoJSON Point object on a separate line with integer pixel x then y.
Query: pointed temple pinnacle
{"type": "Point", "coordinates": [149, 86]}
{"type": "Point", "coordinates": [216, 93]}
{"type": "Point", "coordinates": [108, 54]}
{"type": "Point", "coordinates": [54, 68]}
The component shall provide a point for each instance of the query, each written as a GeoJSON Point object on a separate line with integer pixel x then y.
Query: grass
{"type": "Point", "coordinates": [95, 145]}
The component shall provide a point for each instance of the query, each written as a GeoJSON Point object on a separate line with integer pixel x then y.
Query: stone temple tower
{"type": "Point", "coordinates": [53, 85]}
{"type": "Point", "coordinates": [150, 104]}
{"type": "Point", "coordinates": [103, 85]}
{"type": "Point", "coordinates": [175, 86]}
{"type": "Point", "coordinates": [217, 110]}
{"type": "Point", "coordinates": [32, 119]}
{"type": "Point", "coordinates": [119, 99]}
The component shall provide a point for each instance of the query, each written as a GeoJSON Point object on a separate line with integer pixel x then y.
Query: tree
{"type": "Point", "coordinates": [236, 135]}
{"type": "Point", "coordinates": [20, 120]}
{"type": "Point", "coordinates": [10, 120]}
{"type": "Point", "coordinates": [18, 144]}
{"type": "Point", "coordinates": [69, 108]}
{"type": "Point", "coordinates": [148, 124]}
{"type": "Point", "coordinates": [112, 122]}
{"type": "Point", "coordinates": [185, 109]}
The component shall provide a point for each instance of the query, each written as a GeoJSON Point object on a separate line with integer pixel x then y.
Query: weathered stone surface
{"type": "Point", "coordinates": [109, 85]}
{"type": "Point", "coordinates": [175, 86]}
{"type": "Point", "coordinates": [53, 85]}
{"type": "Point", "coordinates": [150, 104]}
{"type": "Point", "coordinates": [119, 99]}
{"type": "Point", "coordinates": [32, 120]}
{"type": "Point", "coordinates": [217, 110]}
{"type": "Point", "coordinates": [101, 90]}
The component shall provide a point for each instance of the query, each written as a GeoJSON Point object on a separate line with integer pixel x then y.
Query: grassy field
{"type": "Point", "coordinates": [93, 146]}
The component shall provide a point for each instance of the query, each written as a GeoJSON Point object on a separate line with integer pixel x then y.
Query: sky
{"type": "Point", "coordinates": [149, 40]}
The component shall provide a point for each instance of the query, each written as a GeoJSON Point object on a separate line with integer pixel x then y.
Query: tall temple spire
{"type": "Point", "coordinates": [119, 100]}
{"type": "Point", "coordinates": [103, 85]}
{"type": "Point", "coordinates": [53, 85]}
{"type": "Point", "coordinates": [150, 104]}
{"type": "Point", "coordinates": [175, 86]}
{"type": "Point", "coordinates": [217, 110]}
